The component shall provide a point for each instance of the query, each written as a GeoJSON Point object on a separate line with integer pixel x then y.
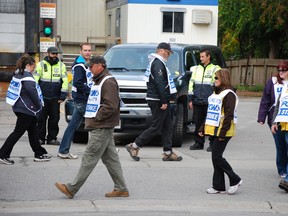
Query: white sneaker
{"type": "Point", "coordinates": [283, 175]}
{"type": "Point", "coordinates": [234, 188]}
{"type": "Point", "coordinates": [67, 156]}
{"type": "Point", "coordinates": [213, 191]}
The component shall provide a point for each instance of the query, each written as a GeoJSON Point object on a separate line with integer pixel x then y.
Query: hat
{"type": "Point", "coordinates": [52, 50]}
{"type": "Point", "coordinates": [282, 66]}
{"type": "Point", "coordinates": [165, 46]}
{"type": "Point", "coordinates": [96, 60]}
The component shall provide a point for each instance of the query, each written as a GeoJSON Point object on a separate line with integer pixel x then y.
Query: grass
{"type": "Point", "coordinates": [255, 88]}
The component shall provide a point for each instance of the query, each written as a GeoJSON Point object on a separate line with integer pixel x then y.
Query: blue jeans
{"type": "Point", "coordinates": [281, 140]}
{"type": "Point", "coordinates": [286, 153]}
{"type": "Point", "coordinates": [75, 122]}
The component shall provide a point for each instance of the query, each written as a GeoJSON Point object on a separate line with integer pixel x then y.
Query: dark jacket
{"type": "Point", "coordinates": [266, 107]}
{"type": "Point", "coordinates": [109, 112]}
{"type": "Point", "coordinates": [80, 82]}
{"type": "Point", "coordinates": [157, 87]}
{"type": "Point", "coordinates": [29, 95]}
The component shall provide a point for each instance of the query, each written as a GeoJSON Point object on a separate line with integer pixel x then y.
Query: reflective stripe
{"type": "Point", "coordinates": [49, 80]}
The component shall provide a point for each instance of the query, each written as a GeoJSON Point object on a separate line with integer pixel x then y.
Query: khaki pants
{"type": "Point", "coordinates": [100, 145]}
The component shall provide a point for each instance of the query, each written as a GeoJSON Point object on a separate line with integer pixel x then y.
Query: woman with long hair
{"type": "Point", "coordinates": [25, 99]}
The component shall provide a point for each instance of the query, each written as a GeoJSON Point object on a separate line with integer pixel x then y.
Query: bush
{"type": "Point", "coordinates": [256, 88]}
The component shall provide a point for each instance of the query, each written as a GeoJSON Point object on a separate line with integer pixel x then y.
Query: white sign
{"type": "Point", "coordinates": [46, 42]}
{"type": "Point", "coordinates": [48, 10]}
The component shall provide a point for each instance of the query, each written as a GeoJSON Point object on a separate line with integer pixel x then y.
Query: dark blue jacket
{"type": "Point", "coordinates": [29, 95]}
{"type": "Point", "coordinates": [266, 107]}
{"type": "Point", "coordinates": [80, 82]}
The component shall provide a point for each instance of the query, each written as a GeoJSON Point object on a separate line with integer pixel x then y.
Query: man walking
{"type": "Point", "coordinates": [160, 88]}
{"type": "Point", "coordinates": [52, 78]}
{"type": "Point", "coordinates": [200, 88]}
{"type": "Point", "coordinates": [82, 81]}
{"type": "Point", "coordinates": [101, 116]}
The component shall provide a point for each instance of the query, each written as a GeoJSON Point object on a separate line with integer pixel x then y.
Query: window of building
{"type": "Point", "coordinates": [173, 20]}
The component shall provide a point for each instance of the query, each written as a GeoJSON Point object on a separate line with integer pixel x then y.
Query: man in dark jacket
{"type": "Point", "coordinates": [160, 88]}
{"type": "Point", "coordinates": [80, 91]}
{"type": "Point", "coordinates": [102, 115]}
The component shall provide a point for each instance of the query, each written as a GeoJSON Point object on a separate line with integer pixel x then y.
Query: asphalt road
{"type": "Point", "coordinates": [156, 187]}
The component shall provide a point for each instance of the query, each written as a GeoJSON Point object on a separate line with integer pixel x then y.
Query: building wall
{"type": "Point", "coordinates": [78, 20]}
{"type": "Point", "coordinates": [143, 22]}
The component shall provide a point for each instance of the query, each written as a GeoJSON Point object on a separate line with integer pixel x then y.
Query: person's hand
{"type": "Point", "coordinates": [190, 105]}
{"type": "Point", "coordinates": [200, 134]}
{"type": "Point", "coordinates": [261, 123]}
{"type": "Point", "coordinates": [60, 101]}
{"type": "Point", "coordinates": [274, 128]}
{"type": "Point", "coordinates": [163, 107]}
{"type": "Point", "coordinates": [221, 139]}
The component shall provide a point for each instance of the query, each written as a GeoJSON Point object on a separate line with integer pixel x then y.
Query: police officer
{"type": "Point", "coordinates": [200, 88]}
{"type": "Point", "coordinates": [52, 78]}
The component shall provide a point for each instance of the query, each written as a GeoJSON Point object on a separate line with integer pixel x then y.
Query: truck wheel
{"type": "Point", "coordinates": [80, 137]}
{"type": "Point", "coordinates": [177, 138]}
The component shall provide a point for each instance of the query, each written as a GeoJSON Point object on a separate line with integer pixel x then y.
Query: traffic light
{"type": "Point", "coordinates": [48, 27]}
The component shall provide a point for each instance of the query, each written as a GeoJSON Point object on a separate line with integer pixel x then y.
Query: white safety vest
{"type": "Point", "coordinates": [214, 111]}
{"type": "Point", "coordinates": [94, 99]}
{"type": "Point", "coordinates": [277, 89]}
{"type": "Point", "coordinates": [14, 90]}
{"type": "Point", "coordinates": [89, 81]}
{"type": "Point", "coordinates": [282, 115]}
{"type": "Point", "coordinates": [152, 57]}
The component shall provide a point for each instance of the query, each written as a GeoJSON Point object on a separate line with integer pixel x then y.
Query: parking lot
{"type": "Point", "coordinates": [156, 187]}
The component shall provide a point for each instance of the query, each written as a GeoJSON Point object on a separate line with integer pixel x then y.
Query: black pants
{"type": "Point", "coordinates": [50, 113]}
{"type": "Point", "coordinates": [221, 166]}
{"type": "Point", "coordinates": [199, 116]}
{"type": "Point", "coordinates": [24, 123]}
{"type": "Point", "coordinates": [161, 124]}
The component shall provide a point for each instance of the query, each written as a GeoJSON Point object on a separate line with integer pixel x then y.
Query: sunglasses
{"type": "Point", "coordinates": [216, 78]}
{"type": "Point", "coordinates": [283, 71]}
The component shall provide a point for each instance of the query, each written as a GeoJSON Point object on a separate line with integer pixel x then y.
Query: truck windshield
{"type": "Point", "coordinates": [136, 59]}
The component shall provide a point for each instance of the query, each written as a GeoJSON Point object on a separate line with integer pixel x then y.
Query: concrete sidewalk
{"type": "Point", "coordinates": [156, 187]}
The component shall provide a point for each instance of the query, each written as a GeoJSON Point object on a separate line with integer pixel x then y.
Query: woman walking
{"type": "Point", "coordinates": [220, 125]}
{"type": "Point", "coordinates": [25, 98]}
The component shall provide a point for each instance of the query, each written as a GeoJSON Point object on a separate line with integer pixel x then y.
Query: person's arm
{"type": "Point", "coordinates": [110, 100]}
{"type": "Point", "coordinates": [229, 103]}
{"type": "Point", "coordinates": [65, 84]}
{"type": "Point", "coordinates": [30, 87]}
{"type": "Point", "coordinates": [158, 71]}
{"type": "Point", "coordinates": [80, 80]}
{"type": "Point", "coordinates": [265, 104]}
{"type": "Point", "coordinates": [38, 72]}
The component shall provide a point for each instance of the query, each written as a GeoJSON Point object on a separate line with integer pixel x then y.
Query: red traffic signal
{"type": "Point", "coordinates": [48, 27]}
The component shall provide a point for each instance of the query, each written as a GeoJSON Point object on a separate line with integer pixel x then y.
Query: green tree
{"type": "Point", "coordinates": [253, 28]}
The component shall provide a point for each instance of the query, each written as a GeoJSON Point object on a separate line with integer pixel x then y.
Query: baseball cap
{"type": "Point", "coordinates": [52, 50]}
{"type": "Point", "coordinates": [282, 66]}
{"type": "Point", "coordinates": [96, 60]}
{"type": "Point", "coordinates": [165, 46]}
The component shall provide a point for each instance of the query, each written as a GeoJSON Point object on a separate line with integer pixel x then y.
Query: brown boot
{"type": "Point", "coordinates": [171, 157]}
{"type": "Point", "coordinates": [133, 151]}
{"type": "Point", "coordinates": [64, 189]}
{"type": "Point", "coordinates": [117, 193]}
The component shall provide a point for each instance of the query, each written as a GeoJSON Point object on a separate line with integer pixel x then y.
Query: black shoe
{"type": "Point", "coordinates": [6, 161]}
{"type": "Point", "coordinates": [53, 142]}
{"type": "Point", "coordinates": [209, 149]}
{"type": "Point", "coordinates": [283, 185]}
{"type": "Point", "coordinates": [197, 146]}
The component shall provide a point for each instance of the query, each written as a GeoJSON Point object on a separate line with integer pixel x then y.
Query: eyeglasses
{"type": "Point", "coordinates": [216, 78]}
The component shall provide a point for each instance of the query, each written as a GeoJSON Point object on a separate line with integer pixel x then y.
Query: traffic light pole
{"type": "Point", "coordinates": [47, 26]}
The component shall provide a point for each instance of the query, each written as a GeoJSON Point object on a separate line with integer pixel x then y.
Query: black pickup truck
{"type": "Point", "coordinates": [127, 63]}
